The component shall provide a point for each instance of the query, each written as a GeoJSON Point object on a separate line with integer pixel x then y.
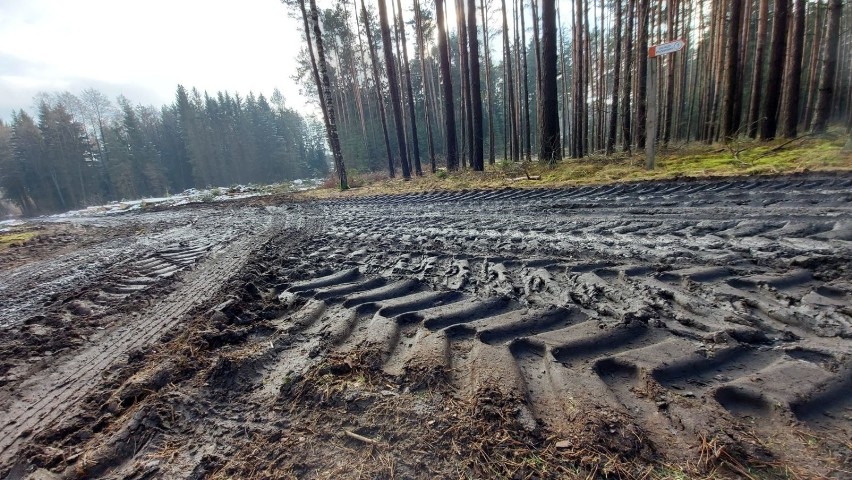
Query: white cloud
{"type": "Point", "coordinates": [148, 47]}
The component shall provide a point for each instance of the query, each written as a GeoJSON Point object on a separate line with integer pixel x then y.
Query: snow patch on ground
{"type": "Point", "coordinates": [192, 195]}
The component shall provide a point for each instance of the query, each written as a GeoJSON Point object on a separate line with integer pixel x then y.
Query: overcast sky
{"type": "Point", "coordinates": [144, 49]}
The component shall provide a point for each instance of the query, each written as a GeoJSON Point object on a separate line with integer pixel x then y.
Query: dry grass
{"type": "Point", "coordinates": [350, 420]}
{"type": "Point", "coordinates": [744, 157]}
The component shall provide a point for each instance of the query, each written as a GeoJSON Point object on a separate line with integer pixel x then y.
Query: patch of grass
{"type": "Point", "coordinates": [694, 160]}
{"type": "Point", "coordinates": [9, 239]}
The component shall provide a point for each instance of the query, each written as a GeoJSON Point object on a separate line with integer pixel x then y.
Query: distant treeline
{"type": "Point", "coordinates": [85, 150]}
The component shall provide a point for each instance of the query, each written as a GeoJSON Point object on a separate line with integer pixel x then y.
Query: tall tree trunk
{"type": "Point", "coordinates": [579, 83]}
{"type": "Point", "coordinates": [563, 79]}
{"type": "Point", "coordinates": [377, 79]}
{"type": "Point", "coordinates": [729, 124]}
{"type": "Point", "coordinates": [776, 72]}
{"type": "Point", "coordinates": [794, 77]}
{"type": "Point", "coordinates": [400, 74]}
{"type": "Point", "coordinates": [421, 54]}
{"type": "Point", "coordinates": [488, 85]}
{"type": "Point", "coordinates": [813, 68]}
{"type": "Point", "coordinates": [510, 87]}
{"type": "Point", "coordinates": [467, 99]}
{"type": "Point", "coordinates": [672, 64]}
{"type": "Point", "coordinates": [393, 85]}
{"type": "Point", "coordinates": [616, 77]}
{"type": "Point", "coordinates": [320, 73]}
{"type": "Point", "coordinates": [550, 148]}
{"type": "Point", "coordinates": [713, 125]}
{"type": "Point", "coordinates": [757, 75]}
{"type": "Point", "coordinates": [829, 66]}
{"type": "Point", "coordinates": [536, 44]}
{"type": "Point", "coordinates": [526, 87]}
{"type": "Point", "coordinates": [600, 35]}
{"type": "Point", "coordinates": [626, 126]}
{"type": "Point", "coordinates": [355, 74]}
{"type": "Point", "coordinates": [447, 84]}
{"type": "Point", "coordinates": [642, 73]}
{"type": "Point", "coordinates": [477, 162]}
{"type": "Point", "coordinates": [588, 107]}
{"type": "Point", "coordinates": [519, 89]}
{"type": "Point", "coordinates": [537, 58]}
{"type": "Point", "coordinates": [410, 92]}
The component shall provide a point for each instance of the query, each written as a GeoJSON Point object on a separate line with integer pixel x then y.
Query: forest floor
{"type": "Point", "coordinates": [694, 160]}
{"type": "Point", "coordinates": [658, 329]}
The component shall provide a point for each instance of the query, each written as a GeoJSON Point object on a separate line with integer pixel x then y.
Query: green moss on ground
{"type": "Point", "coordinates": [742, 157]}
{"type": "Point", "coordinates": [8, 239]}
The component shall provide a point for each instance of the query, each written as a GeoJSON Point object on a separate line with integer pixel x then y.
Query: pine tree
{"type": "Point", "coordinates": [829, 67]}
{"type": "Point", "coordinates": [447, 85]}
{"type": "Point", "coordinates": [771, 100]}
{"type": "Point", "coordinates": [550, 148]}
{"type": "Point", "coordinates": [393, 86]}
{"type": "Point", "coordinates": [477, 162]}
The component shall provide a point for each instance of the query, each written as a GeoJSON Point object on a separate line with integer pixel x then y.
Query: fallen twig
{"type": "Point", "coordinates": [361, 438]}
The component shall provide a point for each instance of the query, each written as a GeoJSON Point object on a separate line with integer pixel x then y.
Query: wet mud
{"type": "Point", "coordinates": [627, 331]}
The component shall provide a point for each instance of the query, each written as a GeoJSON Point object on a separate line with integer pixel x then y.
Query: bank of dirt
{"type": "Point", "coordinates": [643, 330]}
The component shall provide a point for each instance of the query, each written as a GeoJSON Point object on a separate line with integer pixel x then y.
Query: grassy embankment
{"type": "Point", "coordinates": [744, 157]}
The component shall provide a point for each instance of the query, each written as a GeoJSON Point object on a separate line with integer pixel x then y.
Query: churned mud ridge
{"type": "Point", "coordinates": [41, 397]}
{"type": "Point", "coordinates": [642, 330]}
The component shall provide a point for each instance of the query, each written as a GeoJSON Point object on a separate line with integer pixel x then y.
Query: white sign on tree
{"type": "Point", "coordinates": [666, 48]}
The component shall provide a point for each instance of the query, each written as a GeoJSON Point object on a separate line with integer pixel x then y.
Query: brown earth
{"type": "Point", "coordinates": [647, 330]}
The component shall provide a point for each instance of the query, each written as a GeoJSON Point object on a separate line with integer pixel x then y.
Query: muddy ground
{"type": "Point", "coordinates": [646, 330]}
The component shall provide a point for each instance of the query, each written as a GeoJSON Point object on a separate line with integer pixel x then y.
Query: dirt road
{"type": "Point", "coordinates": [700, 327]}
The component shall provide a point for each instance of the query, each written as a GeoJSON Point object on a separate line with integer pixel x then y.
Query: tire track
{"type": "Point", "coordinates": [47, 397]}
{"type": "Point", "coordinates": [554, 357]}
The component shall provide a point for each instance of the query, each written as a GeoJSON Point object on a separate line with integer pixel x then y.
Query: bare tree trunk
{"type": "Point", "coordinates": [400, 75]}
{"type": "Point", "coordinates": [613, 114]}
{"type": "Point", "coordinates": [713, 124]}
{"type": "Point", "coordinates": [393, 85]}
{"type": "Point", "coordinates": [757, 75]}
{"type": "Point", "coordinates": [588, 111]}
{"type": "Point", "coordinates": [829, 65]}
{"type": "Point", "coordinates": [626, 127]}
{"type": "Point", "coordinates": [477, 162]}
{"type": "Point", "coordinates": [563, 80]}
{"type": "Point", "coordinates": [447, 84]}
{"type": "Point", "coordinates": [488, 83]}
{"type": "Point", "coordinates": [525, 85]}
{"type": "Point", "coordinates": [776, 72]}
{"type": "Point", "coordinates": [642, 73]}
{"type": "Point", "coordinates": [510, 88]}
{"type": "Point", "coordinates": [537, 58]}
{"type": "Point", "coordinates": [418, 19]}
{"type": "Point", "coordinates": [672, 26]}
{"type": "Point", "coordinates": [550, 149]}
{"type": "Point", "coordinates": [601, 78]}
{"type": "Point", "coordinates": [377, 79]}
{"type": "Point", "coordinates": [411, 112]}
{"type": "Point", "coordinates": [794, 78]}
{"type": "Point", "coordinates": [577, 150]}
{"type": "Point", "coordinates": [813, 68]}
{"type": "Point", "coordinates": [355, 74]}
{"type": "Point", "coordinates": [519, 89]}
{"type": "Point", "coordinates": [729, 126]}
{"type": "Point", "coordinates": [467, 103]}
{"type": "Point", "coordinates": [324, 88]}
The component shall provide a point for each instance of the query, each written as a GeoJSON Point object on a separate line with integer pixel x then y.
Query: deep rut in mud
{"type": "Point", "coordinates": [652, 321]}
